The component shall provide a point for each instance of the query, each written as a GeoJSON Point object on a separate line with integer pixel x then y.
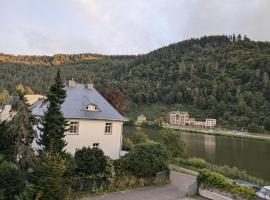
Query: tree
{"type": "Point", "coordinates": [7, 142]}
{"type": "Point", "coordinates": [265, 78]}
{"type": "Point", "coordinates": [48, 176]}
{"type": "Point", "coordinates": [22, 127]}
{"type": "Point", "coordinates": [53, 124]}
{"type": "Point", "coordinates": [173, 143]}
{"type": "Point", "coordinates": [12, 182]}
{"type": "Point", "coordinates": [255, 128]}
{"type": "Point", "coordinates": [127, 144]}
{"type": "Point", "coordinates": [90, 161]}
{"type": "Point", "coordinates": [182, 68]}
{"type": "Point", "coordinates": [140, 137]}
{"type": "Point", "coordinates": [24, 90]}
{"type": "Point", "coordinates": [145, 160]}
{"type": "Point", "coordinates": [4, 96]}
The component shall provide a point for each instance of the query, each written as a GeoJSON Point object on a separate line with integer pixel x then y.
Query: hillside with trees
{"type": "Point", "coordinates": [226, 77]}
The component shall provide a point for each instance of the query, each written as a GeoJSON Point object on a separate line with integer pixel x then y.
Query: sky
{"type": "Point", "coordinates": [47, 27]}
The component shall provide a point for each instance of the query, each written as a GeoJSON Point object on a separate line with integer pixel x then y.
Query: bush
{"type": "Point", "coordinates": [90, 161]}
{"type": "Point", "coordinates": [172, 142]}
{"type": "Point", "coordinates": [27, 194]}
{"type": "Point", "coordinates": [140, 138]}
{"type": "Point", "coordinates": [12, 182]}
{"type": "Point", "coordinates": [218, 181]}
{"type": "Point", "coordinates": [255, 128]}
{"type": "Point", "coordinates": [145, 160]}
{"type": "Point", "coordinates": [127, 144]}
{"type": "Point", "coordinates": [231, 172]}
{"type": "Point", "coordinates": [48, 177]}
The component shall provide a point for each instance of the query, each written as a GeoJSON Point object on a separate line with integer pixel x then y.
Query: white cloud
{"type": "Point", "coordinates": [123, 26]}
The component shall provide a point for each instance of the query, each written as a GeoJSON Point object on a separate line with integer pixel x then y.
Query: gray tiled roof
{"type": "Point", "coordinates": [75, 104]}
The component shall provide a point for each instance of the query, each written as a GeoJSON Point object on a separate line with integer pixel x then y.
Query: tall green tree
{"type": "Point", "coordinates": [173, 143]}
{"type": "Point", "coordinates": [22, 128]}
{"type": "Point", "coordinates": [7, 142]}
{"type": "Point", "coordinates": [53, 124]}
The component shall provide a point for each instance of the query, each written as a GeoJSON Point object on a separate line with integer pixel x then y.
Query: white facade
{"type": "Point", "coordinates": [92, 132]}
{"type": "Point", "coordinates": [5, 113]}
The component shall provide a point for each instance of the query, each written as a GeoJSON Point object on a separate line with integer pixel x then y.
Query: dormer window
{"type": "Point", "coordinates": [92, 107]}
{"type": "Point", "coordinates": [45, 104]}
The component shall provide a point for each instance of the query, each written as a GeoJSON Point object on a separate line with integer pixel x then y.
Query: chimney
{"type": "Point", "coordinates": [90, 86]}
{"type": "Point", "coordinates": [71, 83]}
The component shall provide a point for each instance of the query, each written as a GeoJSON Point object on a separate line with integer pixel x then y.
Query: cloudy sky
{"type": "Point", "coordinates": [123, 26]}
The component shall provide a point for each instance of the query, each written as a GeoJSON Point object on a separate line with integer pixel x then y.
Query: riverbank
{"type": "Point", "coordinates": [228, 133]}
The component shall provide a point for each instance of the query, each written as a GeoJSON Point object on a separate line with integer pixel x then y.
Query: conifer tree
{"type": "Point", "coordinates": [53, 124]}
{"type": "Point", "coordinates": [22, 128]}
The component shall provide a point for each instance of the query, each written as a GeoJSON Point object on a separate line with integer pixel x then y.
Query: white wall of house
{"type": "Point", "coordinates": [92, 132]}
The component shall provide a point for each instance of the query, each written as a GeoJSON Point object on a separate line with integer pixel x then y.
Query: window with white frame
{"type": "Point", "coordinates": [92, 107]}
{"type": "Point", "coordinates": [95, 145]}
{"type": "Point", "coordinates": [74, 128]}
{"type": "Point", "coordinates": [108, 128]}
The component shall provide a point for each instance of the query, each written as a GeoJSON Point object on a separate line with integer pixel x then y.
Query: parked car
{"type": "Point", "coordinates": [264, 193]}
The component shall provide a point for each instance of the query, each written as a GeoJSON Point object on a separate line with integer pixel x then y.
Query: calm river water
{"type": "Point", "coordinates": [245, 154]}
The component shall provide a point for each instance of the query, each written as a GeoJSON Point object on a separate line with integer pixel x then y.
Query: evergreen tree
{"type": "Point", "coordinates": [7, 142]}
{"type": "Point", "coordinates": [53, 123]}
{"type": "Point", "coordinates": [22, 128]}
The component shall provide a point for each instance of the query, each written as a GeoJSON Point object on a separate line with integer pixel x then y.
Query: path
{"type": "Point", "coordinates": [177, 189]}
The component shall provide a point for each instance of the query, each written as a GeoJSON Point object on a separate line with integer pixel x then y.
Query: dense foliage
{"type": "Point", "coordinates": [225, 76]}
{"type": "Point", "coordinates": [90, 161]}
{"type": "Point", "coordinates": [53, 124]}
{"type": "Point", "coordinates": [231, 172]}
{"type": "Point", "coordinates": [172, 142]}
{"type": "Point", "coordinates": [11, 177]}
{"type": "Point", "coordinates": [48, 177]}
{"type": "Point", "coordinates": [218, 181]}
{"type": "Point", "coordinates": [145, 160]}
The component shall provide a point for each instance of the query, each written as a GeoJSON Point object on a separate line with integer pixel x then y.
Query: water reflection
{"type": "Point", "coordinates": [250, 155]}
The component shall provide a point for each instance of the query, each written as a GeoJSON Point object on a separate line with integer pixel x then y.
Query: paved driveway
{"type": "Point", "coordinates": [177, 189]}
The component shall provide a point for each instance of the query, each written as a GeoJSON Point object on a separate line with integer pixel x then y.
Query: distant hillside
{"type": "Point", "coordinates": [48, 60]}
{"type": "Point", "coordinates": [222, 76]}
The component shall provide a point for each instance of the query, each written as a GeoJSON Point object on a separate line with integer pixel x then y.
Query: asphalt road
{"type": "Point", "coordinates": [176, 190]}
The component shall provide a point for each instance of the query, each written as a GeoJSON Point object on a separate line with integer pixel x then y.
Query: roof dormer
{"type": "Point", "coordinates": [92, 107]}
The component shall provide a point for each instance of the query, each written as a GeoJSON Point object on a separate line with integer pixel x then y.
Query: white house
{"type": "Point", "coordinates": [93, 121]}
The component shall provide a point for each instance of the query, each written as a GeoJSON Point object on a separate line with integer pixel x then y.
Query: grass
{"type": "Point", "coordinates": [197, 164]}
{"type": "Point", "coordinates": [229, 133]}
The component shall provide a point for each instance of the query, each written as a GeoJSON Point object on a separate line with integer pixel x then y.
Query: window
{"type": "Point", "coordinates": [74, 128]}
{"type": "Point", "coordinates": [95, 145]}
{"type": "Point", "coordinates": [108, 128]}
{"type": "Point", "coordinates": [92, 107]}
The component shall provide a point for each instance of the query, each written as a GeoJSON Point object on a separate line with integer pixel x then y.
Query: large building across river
{"type": "Point", "coordinates": [182, 118]}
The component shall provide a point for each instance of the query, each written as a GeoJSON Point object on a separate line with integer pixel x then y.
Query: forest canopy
{"type": "Point", "coordinates": [226, 77]}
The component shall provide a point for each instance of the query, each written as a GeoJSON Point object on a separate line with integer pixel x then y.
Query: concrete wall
{"type": "Point", "coordinates": [212, 195]}
{"type": "Point", "coordinates": [93, 131]}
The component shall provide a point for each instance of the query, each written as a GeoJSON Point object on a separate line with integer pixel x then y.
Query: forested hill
{"type": "Point", "coordinates": [224, 76]}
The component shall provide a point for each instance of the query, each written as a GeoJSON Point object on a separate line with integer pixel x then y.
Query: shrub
{"type": "Point", "coordinates": [12, 182]}
{"type": "Point", "coordinates": [127, 144]}
{"type": "Point", "coordinates": [48, 177]}
{"type": "Point", "coordinates": [172, 142]}
{"type": "Point", "coordinates": [255, 128]}
{"type": "Point", "coordinates": [90, 161]}
{"type": "Point", "coordinates": [140, 138]}
{"type": "Point", "coordinates": [231, 172]}
{"type": "Point", "coordinates": [27, 194]}
{"type": "Point", "coordinates": [218, 181]}
{"type": "Point", "coordinates": [145, 160]}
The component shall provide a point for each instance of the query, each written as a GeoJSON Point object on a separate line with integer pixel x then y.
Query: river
{"type": "Point", "coordinates": [250, 155]}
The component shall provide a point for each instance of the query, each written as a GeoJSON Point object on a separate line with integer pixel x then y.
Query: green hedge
{"type": "Point", "coordinates": [218, 181]}
{"type": "Point", "coordinates": [232, 172]}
